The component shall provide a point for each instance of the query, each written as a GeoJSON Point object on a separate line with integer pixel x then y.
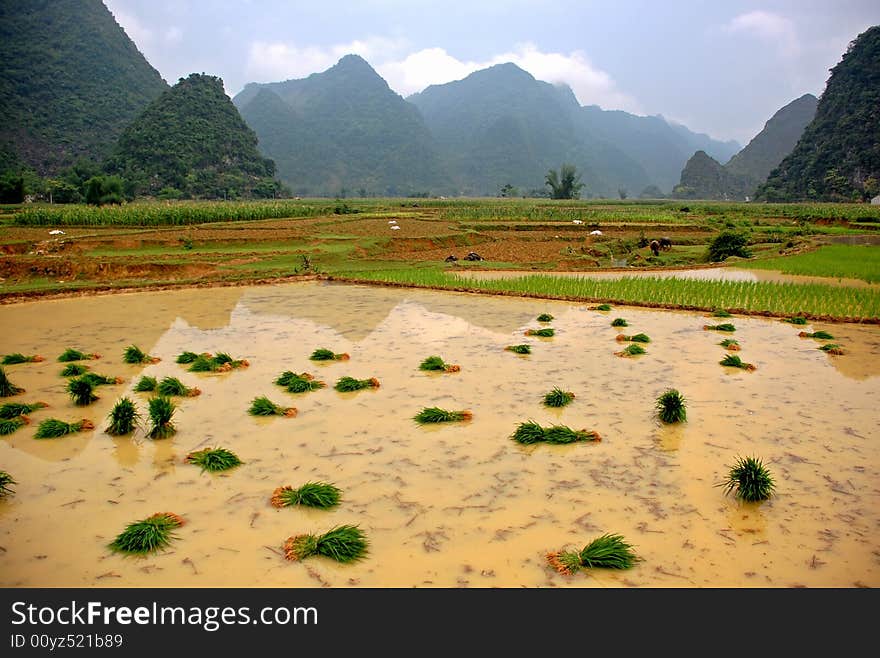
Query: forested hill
{"type": "Point", "coordinates": [192, 141]}
{"type": "Point", "coordinates": [838, 156]}
{"type": "Point", "coordinates": [70, 81]}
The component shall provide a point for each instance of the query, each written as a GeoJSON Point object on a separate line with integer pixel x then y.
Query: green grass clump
{"type": "Point", "coordinates": [547, 332]}
{"type": "Point", "coordinates": [161, 412]}
{"type": "Point", "coordinates": [346, 384]}
{"type": "Point", "coordinates": [608, 551]}
{"type": "Point", "coordinates": [186, 357]}
{"type": "Point", "coordinates": [81, 391]}
{"type": "Point", "coordinates": [170, 386]}
{"type": "Point", "coordinates": [749, 480]}
{"type": "Point", "coordinates": [134, 354]}
{"type": "Point", "coordinates": [311, 494]}
{"type": "Point", "coordinates": [730, 344]}
{"type": "Point", "coordinates": [7, 388]}
{"type": "Point", "coordinates": [299, 383]}
{"type": "Point", "coordinates": [519, 349]}
{"type": "Point", "coordinates": [558, 398]}
{"type": "Point", "coordinates": [71, 354]}
{"type": "Point", "coordinates": [263, 406]}
{"type": "Point", "coordinates": [10, 425]}
{"type": "Point", "coordinates": [214, 459]}
{"type": "Point", "coordinates": [671, 406]}
{"type": "Point", "coordinates": [147, 535]}
{"type": "Point", "coordinates": [18, 357]}
{"type": "Point", "coordinates": [345, 543]}
{"type": "Point", "coordinates": [146, 384]}
{"type": "Point", "coordinates": [124, 418]}
{"type": "Point", "coordinates": [633, 349]}
{"type": "Point", "coordinates": [323, 354]}
{"type": "Point", "coordinates": [74, 370]}
{"type": "Point", "coordinates": [438, 415]}
{"type": "Point", "coordinates": [831, 348]}
{"type": "Point", "coordinates": [435, 363]}
{"type": "Point", "coordinates": [52, 428]}
{"type": "Point", "coordinates": [15, 409]}
{"type": "Point", "coordinates": [545, 317]}
{"type": "Point", "coordinates": [735, 362]}
{"type": "Point", "coordinates": [822, 335]}
{"type": "Point", "coordinates": [796, 320]}
{"type": "Point", "coordinates": [719, 327]}
{"type": "Point", "coordinates": [531, 432]}
{"type": "Point", "coordinates": [5, 482]}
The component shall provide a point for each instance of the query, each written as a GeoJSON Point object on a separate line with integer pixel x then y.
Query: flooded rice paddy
{"type": "Point", "coordinates": [458, 504]}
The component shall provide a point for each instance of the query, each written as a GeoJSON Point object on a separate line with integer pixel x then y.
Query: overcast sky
{"type": "Point", "coordinates": [719, 67]}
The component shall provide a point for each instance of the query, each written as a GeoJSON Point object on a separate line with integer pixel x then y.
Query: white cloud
{"type": "Point", "coordinates": [173, 35]}
{"type": "Point", "coordinates": [142, 36]}
{"type": "Point", "coordinates": [769, 27]}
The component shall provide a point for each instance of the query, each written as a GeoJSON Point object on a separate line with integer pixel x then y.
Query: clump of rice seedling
{"type": "Point", "coordinates": [5, 481]}
{"type": "Point", "coordinates": [52, 428]}
{"type": "Point", "coordinates": [531, 432]}
{"type": "Point", "coordinates": [435, 363]}
{"type": "Point", "coordinates": [735, 362]}
{"type": "Point", "coordinates": [147, 535]}
{"type": "Point", "coordinates": [15, 409]}
{"type": "Point", "coordinates": [601, 307]}
{"type": "Point", "coordinates": [634, 349]}
{"type": "Point", "coordinates": [637, 338]}
{"type": "Point", "coordinates": [832, 348]}
{"type": "Point", "coordinates": [671, 406]}
{"type": "Point", "coordinates": [823, 335]}
{"type": "Point", "coordinates": [222, 362]}
{"type": "Point", "coordinates": [99, 380]}
{"type": "Point", "coordinates": [730, 344]}
{"type": "Point", "coordinates": [161, 411]}
{"type": "Point", "coordinates": [134, 354]}
{"type": "Point", "coordinates": [263, 406]}
{"type": "Point", "coordinates": [299, 383]}
{"type": "Point", "coordinates": [18, 357]}
{"type": "Point", "coordinates": [547, 332]}
{"type": "Point", "coordinates": [721, 313]}
{"type": "Point", "coordinates": [719, 327]}
{"type": "Point", "coordinates": [558, 398]}
{"type": "Point", "coordinates": [71, 354]}
{"type": "Point", "coordinates": [608, 551]}
{"type": "Point", "coordinates": [438, 415]}
{"type": "Point", "coordinates": [74, 370]}
{"type": "Point", "coordinates": [345, 543]}
{"type": "Point", "coordinates": [7, 388]}
{"type": "Point", "coordinates": [519, 349]}
{"type": "Point", "coordinates": [214, 459]}
{"type": "Point", "coordinates": [124, 418]}
{"type": "Point", "coordinates": [323, 354]}
{"type": "Point", "coordinates": [619, 322]}
{"type": "Point", "coordinates": [10, 425]}
{"type": "Point", "coordinates": [311, 494]}
{"type": "Point", "coordinates": [173, 386]}
{"type": "Point", "coordinates": [81, 391]}
{"type": "Point", "coordinates": [796, 320]}
{"type": "Point", "coordinates": [146, 384]}
{"type": "Point", "coordinates": [749, 480]}
{"type": "Point", "coordinates": [346, 384]}
{"type": "Point", "coordinates": [545, 317]}
{"type": "Point", "coordinates": [188, 357]}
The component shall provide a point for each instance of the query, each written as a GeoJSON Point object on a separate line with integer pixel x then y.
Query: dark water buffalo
{"type": "Point", "coordinates": [472, 255]}
{"type": "Point", "coordinates": [451, 258]}
{"type": "Point", "coordinates": [655, 247]}
{"type": "Point", "coordinates": [665, 243]}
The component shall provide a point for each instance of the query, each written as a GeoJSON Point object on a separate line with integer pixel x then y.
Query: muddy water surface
{"type": "Point", "coordinates": [457, 505]}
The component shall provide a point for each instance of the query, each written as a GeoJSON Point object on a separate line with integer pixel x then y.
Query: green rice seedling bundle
{"type": "Point", "coordinates": [619, 322]}
{"type": "Point", "coordinates": [299, 383]}
{"type": "Point", "coordinates": [221, 362]}
{"type": "Point", "coordinates": [719, 327]}
{"type": "Point", "coordinates": [147, 535]}
{"type": "Point", "coordinates": [124, 418]}
{"type": "Point", "coordinates": [146, 384]}
{"type": "Point", "coordinates": [633, 349]}
{"type": "Point", "coordinates": [311, 494]}
{"type": "Point", "coordinates": [213, 459]}
{"type": "Point", "coordinates": [100, 380]}
{"type": "Point", "coordinates": [5, 481]}
{"type": "Point", "coordinates": [171, 386]}
{"type": "Point", "coordinates": [721, 313]}
{"type": "Point", "coordinates": [71, 354]}
{"type": "Point", "coordinates": [81, 391]}
{"type": "Point", "coordinates": [601, 307]}
{"type": "Point", "coordinates": [823, 335]}
{"type": "Point", "coordinates": [263, 406]}
{"type": "Point", "coordinates": [730, 344]}
{"type": "Point", "coordinates": [609, 551]}
{"type": "Point", "coordinates": [344, 543]}
{"type": "Point", "coordinates": [347, 384]}
{"type": "Point", "coordinates": [74, 370]}
{"type": "Point", "coordinates": [135, 355]}
{"type": "Point", "coordinates": [189, 357]}
{"type": "Point", "coordinates": [545, 317]}
{"type": "Point", "coordinates": [637, 338]}
{"type": "Point", "coordinates": [796, 320]}
{"type": "Point", "coordinates": [323, 354]}
{"type": "Point", "coordinates": [547, 332]}
{"type": "Point", "coordinates": [10, 425]}
{"type": "Point", "coordinates": [18, 357]}
{"type": "Point", "coordinates": [531, 432]}
{"type": "Point", "coordinates": [7, 388]}
{"type": "Point", "coordinates": [734, 361]}
{"type": "Point", "coordinates": [14, 409]}
{"type": "Point", "coordinates": [748, 479]}
{"type": "Point", "coordinates": [558, 398]}
{"type": "Point", "coordinates": [161, 412]}
{"type": "Point", "coordinates": [437, 364]}
{"type": "Point", "coordinates": [832, 348]}
{"type": "Point", "coordinates": [52, 428]}
{"type": "Point", "coordinates": [672, 406]}
{"type": "Point", "coordinates": [438, 415]}
{"type": "Point", "coordinates": [519, 349]}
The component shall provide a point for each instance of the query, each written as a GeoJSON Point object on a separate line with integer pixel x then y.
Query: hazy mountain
{"type": "Point", "coordinates": [838, 155]}
{"type": "Point", "coordinates": [703, 177]}
{"type": "Point", "coordinates": [340, 129]}
{"type": "Point", "coordinates": [71, 80]}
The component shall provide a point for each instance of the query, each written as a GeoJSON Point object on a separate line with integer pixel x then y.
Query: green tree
{"type": "Point", "coordinates": [622, 192]}
{"type": "Point", "coordinates": [728, 243]}
{"type": "Point", "coordinates": [564, 185]}
{"type": "Point", "coordinates": [508, 190]}
{"type": "Point", "coordinates": [101, 190]}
